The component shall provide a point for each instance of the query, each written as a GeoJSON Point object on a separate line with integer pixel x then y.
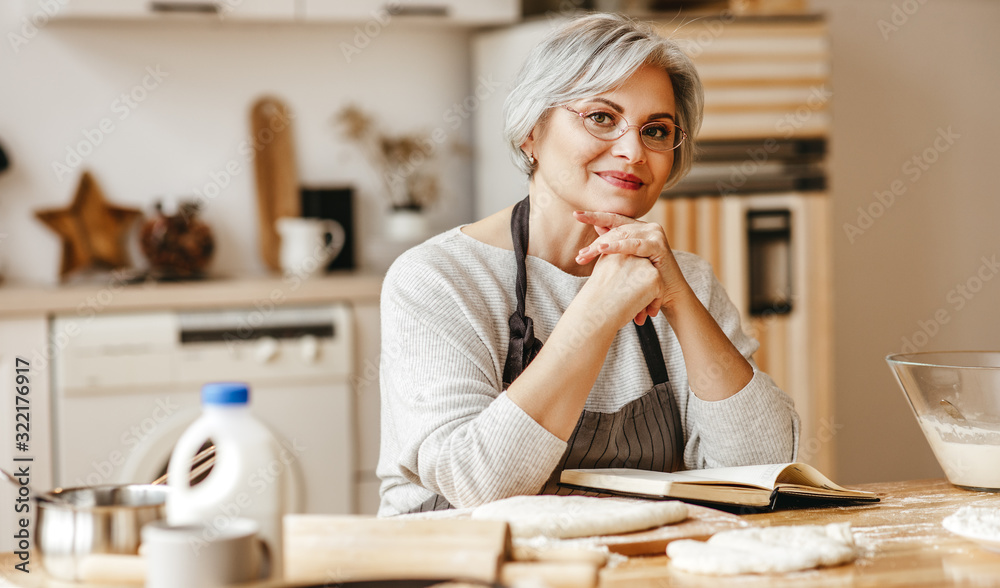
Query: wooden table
{"type": "Point", "coordinates": [901, 538]}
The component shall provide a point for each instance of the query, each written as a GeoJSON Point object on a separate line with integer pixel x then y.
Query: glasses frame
{"type": "Point", "coordinates": [623, 130]}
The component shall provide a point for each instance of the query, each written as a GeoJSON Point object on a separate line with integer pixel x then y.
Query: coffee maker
{"type": "Point", "coordinates": [333, 204]}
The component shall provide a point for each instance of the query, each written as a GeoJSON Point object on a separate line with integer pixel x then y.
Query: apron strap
{"type": "Point", "coordinates": [523, 347]}
{"type": "Point", "coordinates": [651, 351]}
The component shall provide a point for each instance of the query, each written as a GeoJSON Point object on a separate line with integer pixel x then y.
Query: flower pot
{"type": "Point", "coordinates": [406, 225]}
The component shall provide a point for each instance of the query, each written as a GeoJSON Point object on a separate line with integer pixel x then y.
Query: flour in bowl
{"type": "Point", "coordinates": [968, 455]}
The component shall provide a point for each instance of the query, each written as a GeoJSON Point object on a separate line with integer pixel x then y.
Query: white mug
{"type": "Point", "coordinates": [201, 556]}
{"type": "Point", "coordinates": [304, 249]}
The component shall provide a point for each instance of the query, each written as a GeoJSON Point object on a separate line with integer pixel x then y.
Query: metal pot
{"type": "Point", "coordinates": [73, 523]}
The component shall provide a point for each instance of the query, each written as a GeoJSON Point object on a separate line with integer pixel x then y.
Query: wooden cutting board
{"type": "Point", "coordinates": [277, 178]}
{"type": "Point", "coordinates": [701, 523]}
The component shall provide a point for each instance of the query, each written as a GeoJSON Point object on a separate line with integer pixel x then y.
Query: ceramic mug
{"type": "Point", "coordinates": [308, 244]}
{"type": "Point", "coordinates": [202, 556]}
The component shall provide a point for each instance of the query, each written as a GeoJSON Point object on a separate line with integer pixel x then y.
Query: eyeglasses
{"type": "Point", "coordinates": [608, 126]}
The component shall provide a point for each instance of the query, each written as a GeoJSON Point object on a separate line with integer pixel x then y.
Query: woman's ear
{"type": "Point", "coordinates": [528, 147]}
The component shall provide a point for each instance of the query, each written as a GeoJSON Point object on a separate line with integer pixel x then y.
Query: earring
{"type": "Point", "coordinates": [531, 160]}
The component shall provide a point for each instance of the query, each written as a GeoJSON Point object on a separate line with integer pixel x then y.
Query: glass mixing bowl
{"type": "Point", "coordinates": [955, 396]}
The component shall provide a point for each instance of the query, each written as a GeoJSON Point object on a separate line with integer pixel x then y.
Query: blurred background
{"type": "Point", "coordinates": [878, 203]}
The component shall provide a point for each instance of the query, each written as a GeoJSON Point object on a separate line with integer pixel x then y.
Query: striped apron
{"type": "Point", "coordinates": [644, 434]}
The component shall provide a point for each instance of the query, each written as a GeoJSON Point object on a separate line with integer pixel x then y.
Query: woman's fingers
{"type": "Point", "coordinates": [630, 246]}
{"type": "Point", "coordinates": [606, 224]}
{"type": "Point", "coordinates": [638, 240]}
{"type": "Point", "coordinates": [654, 307]}
{"type": "Point", "coordinates": [605, 220]}
{"type": "Point", "coordinates": [628, 237]}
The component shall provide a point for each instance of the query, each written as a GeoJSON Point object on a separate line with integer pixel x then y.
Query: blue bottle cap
{"type": "Point", "coordinates": [225, 393]}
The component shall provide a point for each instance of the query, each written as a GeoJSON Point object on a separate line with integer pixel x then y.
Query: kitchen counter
{"type": "Point", "coordinates": [18, 301]}
{"type": "Point", "coordinates": [901, 540]}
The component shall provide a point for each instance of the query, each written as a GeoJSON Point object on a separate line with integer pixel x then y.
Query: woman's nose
{"type": "Point", "coordinates": [630, 145]}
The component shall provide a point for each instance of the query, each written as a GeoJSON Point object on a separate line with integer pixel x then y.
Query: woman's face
{"type": "Point", "coordinates": [621, 176]}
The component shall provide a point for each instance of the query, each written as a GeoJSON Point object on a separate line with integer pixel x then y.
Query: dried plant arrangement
{"type": "Point", "coordinates": [401, 160]}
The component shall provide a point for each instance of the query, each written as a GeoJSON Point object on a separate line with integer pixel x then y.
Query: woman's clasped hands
{"type": "Point", "coordinates": [628, 237]}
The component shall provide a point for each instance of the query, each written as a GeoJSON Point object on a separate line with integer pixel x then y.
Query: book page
{"type": "Point", "coordinates": [767, 476]}
{"type": "Point", "coordinates": [805, 475]}
{"type": "Point", "coordinates": [694, 477]}
{"type": "Point", "coordinates": [763, 476]}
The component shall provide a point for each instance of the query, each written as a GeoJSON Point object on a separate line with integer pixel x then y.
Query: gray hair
{"type": "Point", "coordinates": [591, 55]}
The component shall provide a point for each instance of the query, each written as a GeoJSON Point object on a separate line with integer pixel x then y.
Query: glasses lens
{"type": "Point", "coordinates": [656, 136]}
{"type": "Point", "coordinates": [661, 136]}
{"type": "Point", "coordinates": [603, 125]}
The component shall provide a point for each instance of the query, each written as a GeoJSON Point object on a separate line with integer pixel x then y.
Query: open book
{"type": "Point", "coordinates": [757, 487]}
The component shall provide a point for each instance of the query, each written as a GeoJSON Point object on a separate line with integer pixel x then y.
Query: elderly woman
{"type": "Point", "coordinates": [592, 344]}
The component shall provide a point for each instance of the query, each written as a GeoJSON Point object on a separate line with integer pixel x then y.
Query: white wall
{"type": "Point", "coordinates": [67, 78]}
{"type": "Point", "coordinates": [893, 91]}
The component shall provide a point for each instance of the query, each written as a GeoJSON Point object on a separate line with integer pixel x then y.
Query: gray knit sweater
{"type": "Point", "coordinates": [447, 426]}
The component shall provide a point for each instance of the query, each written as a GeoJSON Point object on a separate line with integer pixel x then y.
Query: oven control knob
{"type": "Point", "coordinates": [266, 349]}
{"type": "Point", "coordinates": [309, 347]}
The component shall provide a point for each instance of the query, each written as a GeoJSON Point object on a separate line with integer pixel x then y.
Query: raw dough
{"type": "Point", "coordinates": [765, 550]}
{"type": "Point", "coordinates": [579, 516]}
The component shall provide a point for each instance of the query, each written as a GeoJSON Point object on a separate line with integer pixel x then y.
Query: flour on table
{"type": "Point", "coordinates": [980, 522]}
{"type": "Point", "coordinates": [765, 550]}
{"type": "Point", "coordinates": [579, 516]}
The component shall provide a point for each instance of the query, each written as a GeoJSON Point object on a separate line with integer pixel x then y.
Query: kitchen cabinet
{"type": "Point", "coordinates": [458, 12]}
{"type": "Point", "coordinates": [237, 10]}
{"type": "Point", "coordinates": [474, 12]}
{"type": "Point", "coordinates": [763, 77]}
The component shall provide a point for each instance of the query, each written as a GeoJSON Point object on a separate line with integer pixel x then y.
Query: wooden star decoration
{"type": "Point", "coordinates": [93, 231]}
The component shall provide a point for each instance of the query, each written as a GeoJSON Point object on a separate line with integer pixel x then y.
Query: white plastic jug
{"type": "Point", "coordinates": [247, 479]}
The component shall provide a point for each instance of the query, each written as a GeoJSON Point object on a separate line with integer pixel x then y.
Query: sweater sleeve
{"type": "Point", "coordinates": [446, 424]}
{"type": "Point", "coordinates": [758, 424]}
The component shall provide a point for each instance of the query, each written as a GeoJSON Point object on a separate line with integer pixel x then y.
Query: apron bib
{"type": "Point", "coordinates": [644, 434]}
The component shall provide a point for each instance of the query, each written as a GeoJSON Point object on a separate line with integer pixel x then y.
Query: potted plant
{"type": "Point", "coordinates": [402, 162]}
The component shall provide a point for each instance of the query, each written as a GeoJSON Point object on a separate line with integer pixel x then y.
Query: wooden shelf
{"type": "Point", "coordinates": [221, 293]}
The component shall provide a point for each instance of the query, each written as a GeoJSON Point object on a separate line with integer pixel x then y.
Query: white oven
{"type": "Point", "coordinates": [126, 386]}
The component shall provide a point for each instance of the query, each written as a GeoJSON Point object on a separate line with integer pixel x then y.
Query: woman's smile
{"type": "Point", "coordinates": [623, 180]}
